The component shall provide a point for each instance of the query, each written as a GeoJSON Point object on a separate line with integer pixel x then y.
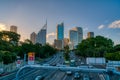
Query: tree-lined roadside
{"type": "Point", "coordinates": [98, 47]}
{"type": "Point", "coordinates": [11, 47]}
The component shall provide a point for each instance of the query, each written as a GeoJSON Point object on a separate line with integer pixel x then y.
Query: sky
{"type": "Point", "coordinates": [99, 16]}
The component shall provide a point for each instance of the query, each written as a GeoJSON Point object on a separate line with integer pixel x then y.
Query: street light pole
{"type": "Point", "coordinates": [24, 58]}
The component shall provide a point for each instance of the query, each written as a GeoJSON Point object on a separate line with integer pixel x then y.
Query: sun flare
{"type": "Point", "coordinates": [2, 27]}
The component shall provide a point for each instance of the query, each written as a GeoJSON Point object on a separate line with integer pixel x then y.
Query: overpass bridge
{"type": "Point", "coordinates": [107, 71]}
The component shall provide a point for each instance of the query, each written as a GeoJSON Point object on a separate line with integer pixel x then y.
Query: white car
{"type": "Point", "coordinates": [82, 62]}
{"type": "Point", "coordinates": [68, 72]}
{"type": "Point", "coordinates": [39, 78]}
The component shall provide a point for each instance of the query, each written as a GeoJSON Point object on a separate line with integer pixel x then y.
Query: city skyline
{"type": "Point", "coordinates": [98, 16]}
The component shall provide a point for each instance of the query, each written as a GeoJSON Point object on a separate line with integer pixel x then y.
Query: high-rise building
{"type": "Point", "coordinates": [66, 41]}
{"type": "Point", "coordinates": [90, 34]}
{"type": "Point", "coordinates": [13, 28]}
{"type": "Point", "coordinates": [73, 37]}
{"type": "Point", "coordinates": [60, 31]}
{"type": "Point", "coordinates": [33, 37]}
{"type": "Point", "coordinates": [41, 36]}
{"type": "Point", "coordinates": [58, 44]}
{"type": "Point", "coordinates": [80, 34]}
{"type": "Point", "coordinates": [76, 36]}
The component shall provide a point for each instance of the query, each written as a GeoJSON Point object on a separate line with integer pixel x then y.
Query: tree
{"type": "Point", "coordinates": [39, 50]}
{"type": "Point", "coordinates": [8, 44]}
{"type": "Point", "coordinates": [10, 37]}
{"type": "Point", "coordinates": [113, 56]}
{"type": "Point", "coordinates": [1, 56]}
{"type": "Point", "coordinates": [27, 46]}
{"type": "Point", "coordinates": [47, 51]}
{"type": "Point", "coordinates": [94, 47]}
{"type": "Point", "coordinates": [66, 54]}
{"type": "Point", "coordinates": [117, 48]}
{"type": "Point", "coordinates": [7, 57]}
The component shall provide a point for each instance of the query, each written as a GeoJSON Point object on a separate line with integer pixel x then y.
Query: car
{"type": "Point", "coordinates": [39, 78]}
{"type": "Point", "coordinates": [68, 72]}
{"type": "Point", "coordinates": [46, 64]}
{"type": "Point", "coordinates": [82, 62]}
{"type": "Point", "coordinates": [86, 77]}
{"type": "Point", "coordinates": [60, 65]}
{"type": "Point", "coordinates": [76, 75]}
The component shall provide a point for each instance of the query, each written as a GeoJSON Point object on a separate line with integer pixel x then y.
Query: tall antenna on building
{"type": "Point", "coordinates": [45, 26]}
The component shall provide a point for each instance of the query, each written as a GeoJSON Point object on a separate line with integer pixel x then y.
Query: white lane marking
{"type": "Point", "coordinates": [101, 76]}
{"type": "Point", "coordinates": [65, 77]}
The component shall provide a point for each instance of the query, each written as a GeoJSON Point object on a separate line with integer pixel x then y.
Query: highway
{"type": "Point", "coordinates": [42, 72]}
{"type": "Point", "coordinates": [53, 60]}
{"type": "Point", "coordinates": [48, 74]}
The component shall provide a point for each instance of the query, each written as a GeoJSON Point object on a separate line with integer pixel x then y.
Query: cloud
{"type": "Point", "coordinates": [84, 36]}
{"type": "Point", "coordinates": [101, 26]}
{"type": "Point", "coordinates": [52, 34]}
{"type": "Point", "coordinates": [115, 24]}
{"type": "Point", "coordinates": [85, 29]}
{"type": "Point", "coordinates": [50, 37]}
{"type": "Point", "coordinates": [2, 27]}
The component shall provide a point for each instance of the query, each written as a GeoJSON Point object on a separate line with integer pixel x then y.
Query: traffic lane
{"type": "Point", "coordinates": [53, 60]}
{"type": "Point", "coordinates": [94, 76]}
{"type": "Point", "coordinates": [58, 75]}
{"type": "Point", "coordinates": [69, 77]}
{"type": "Point", "coordinates": [12, 75]}
{"type": "Point", "coordinates": [34, 74]}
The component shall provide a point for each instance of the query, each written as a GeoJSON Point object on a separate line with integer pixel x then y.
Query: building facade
{"type": "Point", "coordinates": [73, 37]}
{"type": "Point", "coordinates": [60, 31]}
{"type": "Point", "coordinates": [66, 41]}
{"type": "Point", "coordinates": [76, 36]}
{"type": "Point", "coordinates": [90, 34]}
{"type": "Point", "coordinates": [41, 36]}
{"type": "Point", "coordinates": [58, 44]}
{"type": "Point", "coordinates": [33, 37]}
{"type": "Point", "coordinates": [13, 28]}
{"type": "Point", "coordinates": [80, 34]}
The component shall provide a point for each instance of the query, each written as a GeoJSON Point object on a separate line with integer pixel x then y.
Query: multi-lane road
{"type": "Point", "coordinates": [32, 73]}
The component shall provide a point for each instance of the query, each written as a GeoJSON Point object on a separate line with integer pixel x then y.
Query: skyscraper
{"type": "Point", "coordinates": [66, 42]}
{"type": "Point", "coordinates": [13, 28]}
{"type": "Point", "coordinates": [76, 36]}
{"type": "Point", "coordinates": [58, 44]}
{"type": "Point", "coordinates": [33, 37]}
{"type": "Point", "coordinates": [90, 34]}
{"type": "Point", "coordinates": [80, 34]}
{"type": "Point", "coordinates": [41, 36]}
{"type": "Point", "coordinates": [60, 31]}
{"type": "Point", "coordinates": [73, 37]}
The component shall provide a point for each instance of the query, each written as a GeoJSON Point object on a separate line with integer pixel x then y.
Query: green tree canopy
{"type": "Point", "coordinates": [113, 56]}
{"type": "Point", "coordinates": [8, 36]}
{"type": "Point", "coordinates": [66, 53]}
{"type": "Point", "coordinates": [94, 47]}
{"type": "Point", "coordinates": [117, 47]}
{"type": "Point", "coordinates": [8, 45]}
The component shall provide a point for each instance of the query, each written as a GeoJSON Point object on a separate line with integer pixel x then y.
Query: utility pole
{"type": "Point", "coordinates": [24, 58]}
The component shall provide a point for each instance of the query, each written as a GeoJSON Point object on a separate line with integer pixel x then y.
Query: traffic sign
{"type": "Point", "coordinates": [31, 57]}
{"type": "Point", "coordinates": [18, 63]}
